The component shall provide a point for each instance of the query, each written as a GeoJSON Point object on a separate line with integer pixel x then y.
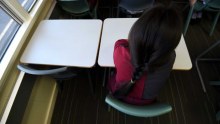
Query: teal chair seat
{"type": "Point", "coordinates": [151, 110]}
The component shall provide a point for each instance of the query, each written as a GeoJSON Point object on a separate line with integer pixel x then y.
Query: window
{"type": "Point", "coordinates": [8, 28]}
{"type": "Point", "coordinates": [17, 21]}
{"type": "Point", "coordinates": [9, 25]}
{"type": "Point", "coordinates": [27, 4]}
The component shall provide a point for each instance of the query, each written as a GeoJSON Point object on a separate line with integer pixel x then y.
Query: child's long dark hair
{"type": "Point", "coordinates": [152, 39]}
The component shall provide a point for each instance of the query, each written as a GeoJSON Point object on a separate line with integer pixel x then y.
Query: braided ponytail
{"type": "Point", "coordinates": [139, 71]}
{"type": "Point", "coordinates": [153, 38]}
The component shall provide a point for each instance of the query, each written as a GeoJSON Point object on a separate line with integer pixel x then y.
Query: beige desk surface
{"type": "Point", "coordinates": [64, 43]}
{"type": "Point", "coordinates": [118, 28]}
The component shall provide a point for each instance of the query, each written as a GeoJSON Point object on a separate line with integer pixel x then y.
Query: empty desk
{"type": "Point", "coordinates": [65, 43]}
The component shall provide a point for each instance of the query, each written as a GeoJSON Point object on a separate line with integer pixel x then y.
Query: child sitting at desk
{"type": "Point", "coordinates": [147, 57]}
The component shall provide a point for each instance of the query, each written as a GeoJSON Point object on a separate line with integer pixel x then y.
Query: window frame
{"type": "Point", "coordinates": [17, 21]}
{"type": "Point", "coordinates": [9, 29]}
{"type": "Point", "coordinates": [27, 20]}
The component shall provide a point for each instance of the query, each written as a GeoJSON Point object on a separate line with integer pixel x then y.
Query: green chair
{"type": "Point", "coordinates": [211, 5]}
{"type": "Point", "coordinates": [58, 73]}
{"type": "Point", "coordinates": [78, 8]}
{"type": "Point", "coordinates": [152, 110]}
{"type": "Point", "coordinates": [134, 7]}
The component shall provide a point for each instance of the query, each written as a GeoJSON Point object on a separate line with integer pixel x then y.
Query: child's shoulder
{"type": "Point", "coordinates": [121, 42]}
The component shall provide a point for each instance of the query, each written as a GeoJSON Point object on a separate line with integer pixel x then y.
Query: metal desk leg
{"type": "Point", "coordinates": [105, 73]}
{"type": "Point", "coordinates": [90, 81]}
{"type": "Point", "coordinates": [104, 77]}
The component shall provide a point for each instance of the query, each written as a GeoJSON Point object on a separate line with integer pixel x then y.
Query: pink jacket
{"type": "Point", "coordinates": [124, 71]}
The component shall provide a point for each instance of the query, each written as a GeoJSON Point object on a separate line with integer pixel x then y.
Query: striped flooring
{"type": "Point", "coordinates": [77, 105]}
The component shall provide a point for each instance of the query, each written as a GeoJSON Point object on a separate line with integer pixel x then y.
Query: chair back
{"type": "Point", "coordinates": [213, 5]}
{"type": "Point", "coordinates": [59, 73]}
{"type": "Point", "coordinates": [135, 6]}
{"type": "Point", "coordinates": [151, 110]}
{"type": "Point", "coordinates": [74, 6]}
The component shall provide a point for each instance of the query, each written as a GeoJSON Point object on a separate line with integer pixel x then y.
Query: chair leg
{"type": "Point", "coordinates": [200, 76]}
{"type": "Point", "coordinates": [214, 23]}
{"type": "Point", "coordinates": [188, 20]}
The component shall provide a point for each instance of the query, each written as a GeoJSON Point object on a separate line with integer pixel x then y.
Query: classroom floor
{"type": "Point", "coordinates": [77, 105]}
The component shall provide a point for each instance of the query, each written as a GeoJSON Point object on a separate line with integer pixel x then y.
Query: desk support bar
{"type": "Point", "coordinates": [199, 58]}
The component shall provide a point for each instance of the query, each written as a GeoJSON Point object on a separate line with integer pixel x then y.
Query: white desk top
{"type": "Point", "coordinates": [118, 28]}
{"type": "Point", "coordinates": [64, 43]}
